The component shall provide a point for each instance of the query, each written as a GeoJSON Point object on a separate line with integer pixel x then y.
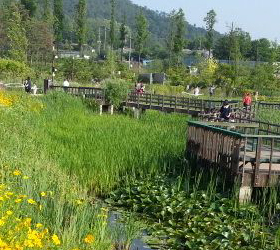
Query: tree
{"type": "Point", "coordinates": [179, 36]}
{"type": "Point", "coordinates": [170, 38]}
{"type": "Point", "coordinates": [30, 6]}
{"type": "Point", "coordinates": [123, 34]}
{"type": "Point", "coordinates": [15, 32]}
{"type": "Point", "coordinates": [47, 12]}
{"type": "Point", "coordinates": [58, 21]}
{"type": "Point", "coordinates": [112, 24]}
{"type": "Point", "coordinates": [141, 34]}
{"type": "Point", "coordinates": [261, 50]}
{"type": "Point", "coordinates": [81, 11]}
{"type": "Point", "coordinates": [210, 21]}
{"type": "Point", "coordinates": [40, 41]}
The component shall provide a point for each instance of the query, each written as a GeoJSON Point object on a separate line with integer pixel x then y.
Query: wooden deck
{"type": "Point", "coordinates": [253, 157]}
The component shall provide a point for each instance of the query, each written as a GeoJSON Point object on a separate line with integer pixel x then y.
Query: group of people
{"type": "Point", "coordinates": [140, 88]}
{"type": "Point", "coordinates": [28, 86]}
{"type": "Point", "coordinates": [225, 111]}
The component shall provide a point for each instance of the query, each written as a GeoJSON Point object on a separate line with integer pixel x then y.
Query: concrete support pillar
{"type": "Point", "coordinates": [100, 109]}
{"type": "Point", "coordinates": [245, 194]}
{"type": "Point", "coordinates": [136, 113]}
{"type": "Point", "coordinates": [123, 108]}
{"type": "Point", "coordinates": [111, 109]}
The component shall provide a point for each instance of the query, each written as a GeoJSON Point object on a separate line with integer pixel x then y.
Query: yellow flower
{"type": "Point", "coordinates": [56, 240]}
{"type": "Point", "coordinates": [79, 202]}
{"type": "Point", "coordinates": [43, 194]}
{"type": "Point", "coordinates": [89, 239]}
{"type": "Point", "coordinates": [40, 207]}
{"type": "Point", "coordinates": [2, 222]}
{"type": "Point", "coordinates": [17, 172]}
{"type": "Point", "coordinates": [39, 225]}
{"type": "Point", "coordinates": [18, 200]}
{"type": "Point", "coordinates": [9, 212]}
{"type": "Point", "coordinates": [31, 201]}
{"type": "Point", "coordinates": [25, 177]}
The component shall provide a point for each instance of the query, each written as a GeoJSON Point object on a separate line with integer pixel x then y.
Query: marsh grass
{"type": "Point", "coordinates": [100, 150]}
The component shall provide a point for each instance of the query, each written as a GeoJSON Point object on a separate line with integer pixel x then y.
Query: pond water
{"type": "Point", "coordinates": [137, 244]}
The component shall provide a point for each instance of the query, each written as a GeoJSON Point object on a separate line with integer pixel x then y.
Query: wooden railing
{"type": "Point", "coordinates": [254, 157]}
{"type": "Point", "coordinates": [175, 103]}
{"type": "Point", "coordinates": [87, 92]}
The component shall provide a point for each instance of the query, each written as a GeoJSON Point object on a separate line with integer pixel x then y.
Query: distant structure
{"type": "Point", "coordinates": [151, 78]}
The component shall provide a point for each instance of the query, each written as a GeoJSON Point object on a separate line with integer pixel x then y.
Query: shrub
{"type": "Point", "coordinates": [13, 69]}
{"type": "Point", "coordinates": [116, 91]}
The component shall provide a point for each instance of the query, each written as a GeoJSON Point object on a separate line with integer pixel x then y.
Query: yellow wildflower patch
{"type": "Point", "coordinates": [89, 239]}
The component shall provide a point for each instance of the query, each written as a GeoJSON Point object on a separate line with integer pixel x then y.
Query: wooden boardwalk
{"type": "Point", "coordinates": [254, 159]}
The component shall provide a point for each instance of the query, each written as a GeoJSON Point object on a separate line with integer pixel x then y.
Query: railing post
{"type": "Point", "coordinates": [46, 85]}
{"type": "Point", "coordinates": [258, 162]}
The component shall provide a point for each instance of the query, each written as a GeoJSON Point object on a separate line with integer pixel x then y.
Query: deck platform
{"type": "Point", "coordinates": [244, 150]}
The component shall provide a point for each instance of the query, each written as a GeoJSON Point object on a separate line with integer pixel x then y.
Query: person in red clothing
{"type": "Point", "coordinates": [247, 101]}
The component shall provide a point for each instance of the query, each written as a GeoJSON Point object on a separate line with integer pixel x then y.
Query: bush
{"type": "Point", "coordinates": [116, 91]}
{"type": "Point", "coordinates": [14, 69]}
{"type": "Point", "coordinates": [167, 89]}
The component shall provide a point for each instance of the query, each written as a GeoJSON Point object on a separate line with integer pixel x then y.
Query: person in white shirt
{"type": "Point", "coordinates": [196, 91]}
{"type": "Point", "coordinates": [66, 83]}
{"type": "Point", "coordinates": [34, 88]}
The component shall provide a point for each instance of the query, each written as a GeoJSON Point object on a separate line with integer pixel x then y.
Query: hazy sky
{"type": "Point", "coordinates": [261, 18]}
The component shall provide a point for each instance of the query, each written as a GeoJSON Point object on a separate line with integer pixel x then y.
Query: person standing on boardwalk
{"type": "Point", "coordinates": [225, 111]}
{"type": "Point", "coordinates": [247, 101]}
{"type": "Point", "coordinates": [27, 85]}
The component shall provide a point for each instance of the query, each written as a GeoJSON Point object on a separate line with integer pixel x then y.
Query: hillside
{"type": "Point", "coordinates": [158, 21]}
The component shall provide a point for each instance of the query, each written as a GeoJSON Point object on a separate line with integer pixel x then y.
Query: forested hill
{"type": "Point", "coordinates": [158, 21]}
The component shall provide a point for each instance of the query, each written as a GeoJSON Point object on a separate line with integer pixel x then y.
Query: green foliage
{"type": "Point", "coordinates": [15, 33]}
{"type": "Point", "coordinates": [81, 11]}
{"type": "Point", "coordinates": [193, 219]}
{"type": "Point", "coordinates": [116, 91]}
{"type": "Point", "coordinates": [14, 69]}
{"type": "Point", "coordinates": [141, 33]}
{"type": "Point", "coordinates": [210, 21]}
{"type": "Point", "coordinates": [179, 75]}
{"type": "Point", "coordinates": [123, 34]}
{"type": "Point", "coordinates": [58, 20]}
{"type": "Point", "coordinates": [167, 89]}
{"type": "Point", "coordinates": [112, 24]}
{"type": "Point", "coordinates": [30, 6]}
{"type": "Point", "coordinates": [178, 40]}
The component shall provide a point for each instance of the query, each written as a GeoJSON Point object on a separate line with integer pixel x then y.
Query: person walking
{"type": "Point", "coordinates": [247, 101]}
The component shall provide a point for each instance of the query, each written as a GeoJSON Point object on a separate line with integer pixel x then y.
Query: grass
{"type": "Point", "coordinates": [102, 149]}
{"type": "Point", "coordinates": [66, 151]}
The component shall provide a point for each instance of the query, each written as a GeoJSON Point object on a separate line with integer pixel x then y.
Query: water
{"type": "Point", "coordinates": [137, 244]}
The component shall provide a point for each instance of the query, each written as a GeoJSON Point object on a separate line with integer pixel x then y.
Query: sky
{"type": "Point", "coordinates": [261, 18]}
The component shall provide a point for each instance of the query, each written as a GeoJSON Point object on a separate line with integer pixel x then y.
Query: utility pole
{"type": "Point", "coordinates": [129, 57]}
{"type": "Point", "coordinates": [99, 41]}
{"type": "Point", "coordinates": [105, 37]}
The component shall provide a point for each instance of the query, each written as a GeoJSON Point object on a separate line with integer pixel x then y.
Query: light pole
{"type": "Point", "coordinates": [53, 68]}
{"type": "Point", "coordinates": [129, 56]}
